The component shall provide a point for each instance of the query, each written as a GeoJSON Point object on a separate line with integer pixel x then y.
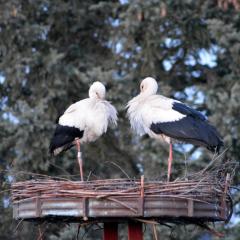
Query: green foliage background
{"type": "Point", "coordinates": [51, 51]}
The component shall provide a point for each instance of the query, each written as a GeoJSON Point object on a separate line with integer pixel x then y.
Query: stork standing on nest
{"type": "Point", "coordinates": [83, 121]}
{"type": "Point", "coordinates": [168, 119]}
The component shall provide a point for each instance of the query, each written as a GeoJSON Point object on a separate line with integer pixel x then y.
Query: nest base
{"type": "Point", "coordinates": [121, 200]}
{"type": "Point", "coordinates": [147, 220]}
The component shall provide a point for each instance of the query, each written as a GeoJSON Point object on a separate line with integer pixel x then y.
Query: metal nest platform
{"type": "Point", "coordinates": [122, 199]}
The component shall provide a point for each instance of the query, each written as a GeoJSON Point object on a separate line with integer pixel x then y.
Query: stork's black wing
{"type": "Point", "coordinates": [184, 109]}
{"type": "Point", "coordinates": [191, 130]}
{"type": "Point", "coordinates": [63, 137]}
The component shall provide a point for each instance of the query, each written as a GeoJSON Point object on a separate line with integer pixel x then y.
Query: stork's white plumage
{"type": "Point", "coordinates": [85, 120]}
{"type": "Point", "coordinates": [168, 119]}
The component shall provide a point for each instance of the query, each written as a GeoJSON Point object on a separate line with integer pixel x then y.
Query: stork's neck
{"type": "Point", "coordinates": [96, 97]}
{"type": "Point", "coordinates": [95, 100]}
{"type": "Point", "coordinates": [139, 99]}
{"type": "Point", "coordinates": [93, 97]}
{"type": "Point", "coordinates": [146, 94]}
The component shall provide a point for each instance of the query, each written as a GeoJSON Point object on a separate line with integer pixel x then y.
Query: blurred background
{"type": "Point", "coordinates": [51, 51]}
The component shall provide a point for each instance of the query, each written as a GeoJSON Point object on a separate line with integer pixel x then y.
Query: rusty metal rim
{"type": "Point", "coordinates": [99, 208]}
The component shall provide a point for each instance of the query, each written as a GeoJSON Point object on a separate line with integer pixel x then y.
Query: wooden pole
{"type": "Point", "coordinates": [110, 231]}
{"type": "Point", "coordinates": [223, 198]}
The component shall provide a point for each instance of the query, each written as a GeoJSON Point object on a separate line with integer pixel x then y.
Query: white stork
{"type": "Point", "coordinates": [83, 121]}
{"type": "Point", "coordinates": [168, 119]}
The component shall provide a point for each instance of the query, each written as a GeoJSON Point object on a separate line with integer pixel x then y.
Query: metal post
{"type": "Point", "coordinates": [110, 231]}
{"type": "Point", "coordinates": [135, 231]}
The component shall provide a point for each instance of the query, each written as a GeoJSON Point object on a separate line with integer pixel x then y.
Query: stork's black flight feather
{"type": "Point", "coordinates": [184, 109]}
{"type": "Point", "coordinates": [63, 137]}
{"type": "Point", "coordinates": [190, 130]}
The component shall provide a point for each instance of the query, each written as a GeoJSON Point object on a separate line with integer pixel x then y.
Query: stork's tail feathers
{"type": "Point", "coordinates": [209, 137]}
{"type": "Point", "coordinates": [58, 150]}
{"type": "Point", "coordinates": [213, 141]}
{"type": "Point", "coordinates": [63, 139]}
{"type": "Point", "coordinates": [217, 147]}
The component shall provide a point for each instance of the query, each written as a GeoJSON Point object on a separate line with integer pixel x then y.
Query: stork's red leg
{"type": "Point", "coordinates": [79, 157]}
{"type": "Point", "coordinates": [169, 162]}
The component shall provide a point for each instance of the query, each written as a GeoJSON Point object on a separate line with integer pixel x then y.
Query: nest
{"type": "Point", "coordinates": [202, 197]}
{"type": "Point", "coordinates": [202, 190]}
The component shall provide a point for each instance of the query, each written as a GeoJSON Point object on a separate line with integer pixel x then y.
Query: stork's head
{"type": "Point", "coordinates": [97, 90]}
{"type": "Point", "coordinates": [148, 86]}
